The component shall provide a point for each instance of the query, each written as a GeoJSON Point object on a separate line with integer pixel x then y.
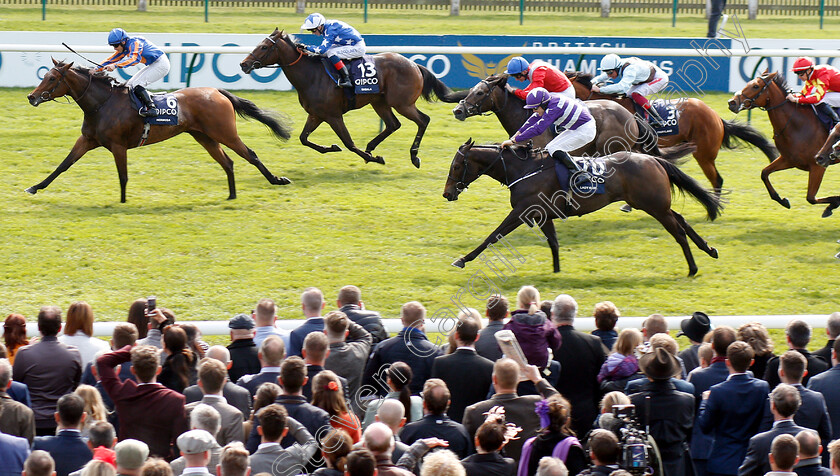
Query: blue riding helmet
{"type": "Point", "coordinates": [517, 65]}
{"type": "Point", "coordinates": [537, 97]}
{"type": "Point", "coordinates": [117, 36]}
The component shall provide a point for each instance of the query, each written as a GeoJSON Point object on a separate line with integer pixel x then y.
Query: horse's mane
{"type": "Point", "coordinates": [781, 82]}
{"type": "Point", "coordinates": [96, 76]}
{"type": "Point", "coordinates": [581, 77]}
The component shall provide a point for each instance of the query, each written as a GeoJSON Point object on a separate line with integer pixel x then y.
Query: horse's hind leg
{"type": "Point", "coordinates": [312, 123]}
{"type": "Point", "coordinates": [706, 160]}
{"type": "Point", "coordinates": [340, 129]}
{"type": "Point", "coordinates": [672, 224]}
{"type": "Point", "coordinates": [696, 238]}
{"type": "Point", "coordinates": [410, 111]}
{"type": "Point", "coordinates": [391, 124]}
{"type": "Point", "coordinates": [215, 151]}
{"type": "Point", "coordinates": [81, 147]}
{"type": "Point", "coordinates": [248, 154]}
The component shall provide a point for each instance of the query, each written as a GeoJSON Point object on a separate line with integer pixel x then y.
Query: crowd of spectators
{"type": "Point", "coordinates": [337, 396]}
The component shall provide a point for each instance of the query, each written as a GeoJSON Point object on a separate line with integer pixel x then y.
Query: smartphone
{"type": "Point", "coordinates": [151, 304]}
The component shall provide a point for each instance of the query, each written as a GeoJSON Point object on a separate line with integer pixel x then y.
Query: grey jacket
{"type": "Point", "coordinates": [286, 461]}
{"type": "Point", "coordinates": [231, 429]}
{"type": "Point", "coordinates": [347, 359]}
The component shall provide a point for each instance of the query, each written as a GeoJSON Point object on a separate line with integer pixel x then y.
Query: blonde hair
{"type": "Point", "coordinates": [79, 318]}
{"type": "Point", "coordinates": [756, 335]}
{"type": "Point", "coordinates": [94, 406]}
{"type": "Point", "coordinates": [442, 463]}
{"type": "Point", "coordinates": [627, 340]}
{"type": "Point", "coordinates": [613, 398]}
{"type": "Point", "coordinates": [666, 342]}
{"type": "Point", "coordinates": [528, 298]}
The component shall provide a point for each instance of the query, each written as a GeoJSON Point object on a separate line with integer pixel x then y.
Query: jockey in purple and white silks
{"type": "Point", "coordinates": [341, 42]}
{"type": "Point", "coordinates": [563, 112]}
{"type": "Point", "coordinates": [132, 50]}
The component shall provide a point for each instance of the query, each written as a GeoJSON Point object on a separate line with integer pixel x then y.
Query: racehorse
{"type": "Point", "coordinates": [797, 132]}
{"type": "Point", "coordinates": [643, 181]}
{"type": "Point", "coordinates": [830, 151]}
{"type": "Point", "coordinates": [698, 123]}
{"type": "Point", "coordinates": [401, 83]}
{"type": "Point", "coordinates": [207, 114]}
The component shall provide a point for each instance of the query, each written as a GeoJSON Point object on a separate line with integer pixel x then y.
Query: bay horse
{"type": "Point", "coordinates": [207, 114]}
{"type": "Point", "coordinates": [401, 83]}
{"type": "Point", "coordinates": [797, 132]}
{"type": "Point", "coordinates": [698, 123]}
{"type": "Point", "coordinates": [643, 181]}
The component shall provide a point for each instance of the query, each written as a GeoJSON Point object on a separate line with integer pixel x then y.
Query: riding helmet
{"type": "Point", "coordinates": [610, 62]}
{"type": "Point", "coordinates": [313, 21]}
{"type": "Point", "coordinates": [117, 36]}
{"type": "Point", "coordinates": [537, 97]}
{"type": "Point", "coordinates": [802, 64]}
{"type": "Point", "coordinates": [517, 65]}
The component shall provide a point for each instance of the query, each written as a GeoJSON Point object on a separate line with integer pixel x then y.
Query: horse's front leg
{"type": "Point", "coordinates": [312, 123]}
{"type": "Point", "coordinates": [781, 163]}
{"type": "Point", "coordinates": [551, 235]}
{"type": "Point", "coordinates": [510, 223]}
{"type": "Point", "coordinates": [340, 129]}
{"type": "Point", "coordinates": [81, 147]}
{"type": "Point", "coordinates": [121, 161]}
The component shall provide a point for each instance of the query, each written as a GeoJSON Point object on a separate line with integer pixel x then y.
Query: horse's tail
{"type": "Point", "coordinates": [681, 180]}
{"type": "Point", "coordinates": [442, 91]}
{"type": "Point", "coordinates": [747, 134]}
{"type": "Point", "coordinates": [279, 124]}
{"type": "Point", "coordinates": [677, 154]}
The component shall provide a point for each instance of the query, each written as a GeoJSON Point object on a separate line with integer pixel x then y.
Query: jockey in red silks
{"type": "Point", "coordinates": [822, 86]}
{"type": "Point", "coordinates": [639, 78]}
{"type": "Point", "coordinates": [541, 75]}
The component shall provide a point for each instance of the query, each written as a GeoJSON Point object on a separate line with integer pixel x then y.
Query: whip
{"type": "Point", "coordinates": [76, 52]}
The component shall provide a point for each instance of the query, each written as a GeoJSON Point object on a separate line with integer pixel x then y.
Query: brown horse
{"type": "Point", "coordinates": [643, 181]}
{"type": "Point", "coordinates": [207, 114]}
{"type": "Point", "coordinates": [401, 83]}
{"type": "Point", "coordinates": [698, 123]}
{"type": "Point", "coordinates": [797, 132]}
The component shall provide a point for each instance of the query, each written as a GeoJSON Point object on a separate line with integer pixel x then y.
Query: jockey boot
{"type": "Point", "coordinates": [828, 111]}
{"type": "Point", "coordinates": [344, 77]}
{"type": "Point", "coordinates": [148, 110]}
{"type": "Point", "coordinates": [581, 177]}
{"type": "Point", "coordinates": [657, 119]}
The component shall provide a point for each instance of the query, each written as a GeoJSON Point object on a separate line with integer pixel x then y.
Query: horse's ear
{"type": "Point", "coordinates": [276, 31]}
{"type": "Point", "coordinates": [766, 70]}
{"type": "Point", "coordinates": [469, 142]}
{"type": "Point", "coordinates": [65, 67]}
{"type": "Point", "coordinates": [54, 61]}
{"type": "Point", "coordinates": [504, 79]}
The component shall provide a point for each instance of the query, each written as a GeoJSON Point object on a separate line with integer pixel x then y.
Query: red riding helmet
{"type": "Point", "coordinates": [802, 64]}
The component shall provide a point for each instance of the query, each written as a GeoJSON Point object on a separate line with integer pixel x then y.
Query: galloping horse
{"type": "Point", "coordinates": [796, 130]}
{"type": "Point", "coordinates": [643, 181]}
{"type": "Point", "coordinates": [698, 123]}
{"type": "Point", "coordinates": [207, 114]}
{"type": "Point", "coordinates": [401, 82]}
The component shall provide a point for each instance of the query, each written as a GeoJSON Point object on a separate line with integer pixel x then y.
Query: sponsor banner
{"type": "Point", "coordinates": [741, 70]}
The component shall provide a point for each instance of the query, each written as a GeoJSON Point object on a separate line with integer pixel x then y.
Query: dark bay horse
{"type": "Point", "coordinates": [643, 181]}
{"type": "Point", "coordinates": [401, 83]}
{"type": "Point", "coordinates": [797, 132]}
{"type": "Point", "coordinates": [207, 114]}
{"type": "Point", "coordinates": [698, 123]}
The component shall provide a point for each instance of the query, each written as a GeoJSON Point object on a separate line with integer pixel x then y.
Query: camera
{"type": "Point", "coordinates": [151, 304]}
{"type": "Point", "coordinates": [638, 451]}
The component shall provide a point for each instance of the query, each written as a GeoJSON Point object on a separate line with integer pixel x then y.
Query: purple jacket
{"type": "Point", "coordinates": [535, 335]}
{"type": "Point", "coordinates": [618, 366]}
{"type": "Point", "coordinates": [565, 112]}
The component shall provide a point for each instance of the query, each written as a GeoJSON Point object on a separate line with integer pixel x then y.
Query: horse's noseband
{"type": "Point", "coordinates": [473, 109]}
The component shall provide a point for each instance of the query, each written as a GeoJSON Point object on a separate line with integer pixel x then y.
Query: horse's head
{"type": "Point", "coordinates": [54, 85]}
{"type": "Point", "coordinates": [461, 173]}
{"type": "Point", "coordinates": [483, 97]}
{"type": "Point", "coordinates": [830, 151]}
{"type": "Point", "coordinates": [582, 82]}
{"type": "Point", "coordinates": [267, 53]}
{"type": "Point", "coordinates": [756, 93]}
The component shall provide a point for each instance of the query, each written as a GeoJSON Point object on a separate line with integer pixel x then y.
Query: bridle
{"type": "Point", "coordinates": [474, 109]}
{"type": "Point", "coordinates": [462, 184]}
{"type": "Point", "coordinates": [257, 64]}
{"type": "Point", "coordinates": [47, 95]}
{"type": "Point", "coordinates": [748, 102]}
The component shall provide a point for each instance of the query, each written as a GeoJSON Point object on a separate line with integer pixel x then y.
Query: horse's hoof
{"type": "Point", "coordinates": [415, 161]}
{"type": "Point", "coordinates": [692, 272]}
{"type": "Point", "coordinates": [626, 208]}
{"type": "Point", "coordinates": [785, 203]}
{"type": "Point", "coordinates": [827, 213]}
{"type": "Point", "coordinates": [713, 253]}
{"type": "Point", "coordinates": [31, 190]}
{"type": "Point", "coordinates": [376, 159]}
{"type": "Point", "coordinates": [334, 148]}
{"type": "Point", "coordinates": [281, 181]}
{"type": "Point", "coordinates": [458, 263]}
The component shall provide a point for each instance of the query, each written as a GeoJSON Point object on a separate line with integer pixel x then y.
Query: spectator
{"type": "Point", "coordinates": [715, 12]}
{"type": "Point", "coordinates": [14, 334]}
{"type": "Point", "coordinates": [731, 411]}
{"type": "Point", "coordinates": [265, 318]}
{"type": "Point", "coordinates": [137, 316]}
{"type": "Point", "coordinates": [194, 343]}
{"type": "Point", "coordinates": [157, 320]}
{"type": "Point", "coordinates": [328, 395]}
{"type": "Point", "coordinates": [798, 334]}
{"type": "Point", "coordinates": [399, 378]}
{"type": "Point", "coordinates": [336, 446]}
{"type": "Point", "coordinates": [555, 422]}
{"type": "Point", "coordinates": [178, 371]}
{"type": "Point", "coordinates": [155, 467]}
{"type": "Point", "coordinates": [312, 303]}
{"type": "Point", "coordinates": [211, 380]}
{"type": "Point", "coordinates": [467, 374]}
{"type": "Point", "coordinates": [101, 443]}
{"type": "Point", "coordinates": [203, 417]}
{"type": "Point", "coordinates": [519, 410]}
{"type": "Point", "coordinates": [49, 368]}
{"type": "Point", "coordinates": [463, 313]}
{"type": "Point", "coordinates": [271, 354]}
{"type": "Point", "coordinates": [361, 462]}
{"type": "Point", "coordinates": [94, 407]}
{"type": "Point", "coordinates": [827, 384]}
{"type": "Point", "coordinates": [496, 312]}
{"type": "Point", "coordinates": [654, 324]}
{"type": "Point", "coordinates": [489, 440]}
{"type": "Point", "coordinates": [695, 328]}
{"type": "Point", "coordinates": [243, 350]}
{"type": "Point", "coordinates": [130, 456]}
{"type": "Point", "coordinates": [15, 418]}
{"type": "Point", "coordinates": [669, 344]}
{"type": "Point", "coordinates": [606, 316]}
{"type": "Point", "coordinates": [832, 329]}
{"type": "Point", "coordinates": [235, 395]}
{"type": "Point", "coordinates": [234, 461]}
{"type": "Point", "coordinates": [39, 463]}
{"type": "Point", "coordinates": [316, 347]}
{"type": "Point", "coordinates": [349, 349]}
{"type": "Point", "coordinates": [756, 335]}
{"type": "Point", "coordinates": [350, 303]}
{"type": "Point", "coordinates": [267, 393]}
{"type": "Point", "coordinates": [195, 447]}
{"type": "Point", "coordinates": [78, 332]}
{"type": "Point", "coordinates": [18, 391]}
{"type": "Point", "coordinates": [607, 420]}
{"type": "Point", "coordinates": [270, 457]}
{"type": "Point", "coordinates": [604, 452]}
{"type": "Point", "coordinates": [555, 467]}
{"type": "Point", "coordinates": [97, 468]}
{"type": "Point", "coordinates": [392, 413]}
{"type": "Point", "coordinates": [147, 410]}
{"type": "Point", "coordinates": [410, 345]}
{"type": "Point", "coordinates": [67, 448]}
{"type": "Point", "coordinates": [380, 441]}
{"type": "Point", "coordinates": [705, 354]}
{"type": "Point", "coordinates": [622, 363]}
{"type": "Point", "coordinates": [436, 423]}
{"type": "Point", "coordinates": [13, 453]}
{"type": "Point", "coordinates": [581, 357]}
{"type": "Point", "coordinates": [532, 328]}
{"type": "Point", "coordinates": [809, 455]}
{"type": "Point", "coordinates": [442, 463]}
{"type": "Point", "coordinates": [784, 454]}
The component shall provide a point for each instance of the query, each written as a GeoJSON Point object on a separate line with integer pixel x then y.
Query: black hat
{"type": "Point", "coordinates": [695, 327]}
{"type": "Point", "coordinates": [659, 364]}
{"type": "Point", "coordinates": [241, 321]}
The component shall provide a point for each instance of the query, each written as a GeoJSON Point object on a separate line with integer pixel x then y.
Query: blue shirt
{"type": "Point", "coordinates": [336, 33]}
{"type": "Point", "coordinates": [136, 50]}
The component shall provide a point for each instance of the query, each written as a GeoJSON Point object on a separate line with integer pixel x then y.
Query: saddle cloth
{"type": "Point", "coordinates": [596, 168]}
{"type": "Point", "coordinates": [668, 111]}
{"type": "Point", "coordinates": [363, 74]}
{"type": "Point", "coordinates": [167, 108]}
{"type": "Point", "coordinates": [827, 122]}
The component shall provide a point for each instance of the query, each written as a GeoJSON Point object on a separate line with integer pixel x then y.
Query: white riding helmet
{"type": "Point", "coordinates": [609, 62]}
{"type": "Point", "coordinates": [313, 21]}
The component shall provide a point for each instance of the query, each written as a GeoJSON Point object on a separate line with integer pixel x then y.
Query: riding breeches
{"type": "Point", "coordinates": [831, 98]}
{"type": "Point", "coordinates": [150, 73]}
{"type": "Point", "coordinates": [573, 139]}
{"type": "Point", "coordinates": [568, 92]}
{"type": "Point", "coordinates": [658, 83]}
{"type": "Point", "coordinates": [347, 52]}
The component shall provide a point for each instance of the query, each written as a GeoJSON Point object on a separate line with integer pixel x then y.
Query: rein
{"type": "Point", "coordinates": [258, 64]}
{"type": "Point", "coordinates": [461, 184]}
{"type": "Point", "coordinates": [475, 108]}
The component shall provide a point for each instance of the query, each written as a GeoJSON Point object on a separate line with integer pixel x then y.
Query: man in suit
{"type": "Point", "coordinates": [195, 446]}
{"type": "Point", "coordinates": [379, 440]}
{"type": "Point", "coordinates": [316, 348]}
{"type": "Point", "coordinates": [703, 379]}
{"type": "Point", "coordinates": [15, 418]}
{"type": "Point", "coordinates": [784, 454]}
{"type": "Point", "coordinates": [49, 368]}
{"type": "Point", "coordinates": [695, 328]}
{"type": "Point", "coordinates": [130, 456]}
{"type": "Point", "coordinates": [832, 329]}
{"type": "Point", "coordinates": [13, 453]}
{"type": "Point", "coordinates": [243, 350]}
{"type": "Point", "coordinates": [467, 374]}
{"type": "Point", "coordinates": [496, 312]}
{"type": "Point", "coordinates": [798, 334]}
{"type": "Point", "coordinates": [604, 452]}
{"type": "Point", "coordinates": [350, 303]}
{"type": "Point", "coordinates": [581, 356]}
{"type": "Point", "coordinates": [410, 345]}
{"type": "Point", "coordinates": [270, 457]}
{"type": "Point", "coordinates": [809, 455]}
{"type": "Point", "coordinates": [211, 378]}
{"type": "Point", "coordinates": [827, 384]}
{"type": "Point", "coordinates": [436, 423]}
{"type": "Point", "coordinates": [147, 410]}
{"type": "Point", "coordinates": [39, 463]}
{"type": "Point", "coordinates": [265, 317]}
{"type": "Point", "coordinates": [519, 410]}
{"type": "Point", "coordinates": [731, 411]}
{"type": "Point", "coordinates": [271, 354]}
{"type": "Point", "coordinates": [350, 346]}
{"type": "Point", "coordinates": [67, 448]}
{"type": "Point", "coordinates": [203, 417]}
{"type": "Point", "coordinates": [784, 402]}
{"type": "Point", "coordinates": [235, 395]}
{"type": "Point", "coordinates": [392, 413]}
{"type": "Point", "coordinates": [312, 303]}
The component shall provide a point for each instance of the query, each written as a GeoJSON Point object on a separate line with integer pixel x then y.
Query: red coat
{"type": "Point", "coordinates": [825, 78]}
{"type": "Point", "coordinates": [543, 75]}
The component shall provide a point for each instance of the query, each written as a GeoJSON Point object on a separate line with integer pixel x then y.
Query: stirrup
{"type": "Point", "coordinates": [146, 111]}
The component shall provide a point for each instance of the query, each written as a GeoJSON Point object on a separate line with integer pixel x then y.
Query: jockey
{"type": "Point", "coordinates": [131, 50]}
{"type": "Point", "coordinates": [639, 78]}
{"type": "Point", "coordinates": [557, 109]}
{"type": "Point", "coordinates": [822, 86]}
{"type": "Point", "coordinates": [541, 75]}
{"type": "Point", "coordinates": [341, 42]}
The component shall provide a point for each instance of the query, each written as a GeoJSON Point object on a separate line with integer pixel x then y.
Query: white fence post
{"type": "Point", "coordinates": [300, 7]}
{"type": "Point", "coordinates": [605, 8]}
{"type": "Point", "coordinates": [454, 8]}
{"type": "Point", "coordinates": [752, 8]}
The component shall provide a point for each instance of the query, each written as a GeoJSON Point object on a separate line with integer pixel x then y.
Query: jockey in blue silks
{"type": "Point", "coordinates": [132, 50]}
{"type": "Point", "coordinates": [564, 112]}
{"type": "Point", "coordinates": [341, 42]}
